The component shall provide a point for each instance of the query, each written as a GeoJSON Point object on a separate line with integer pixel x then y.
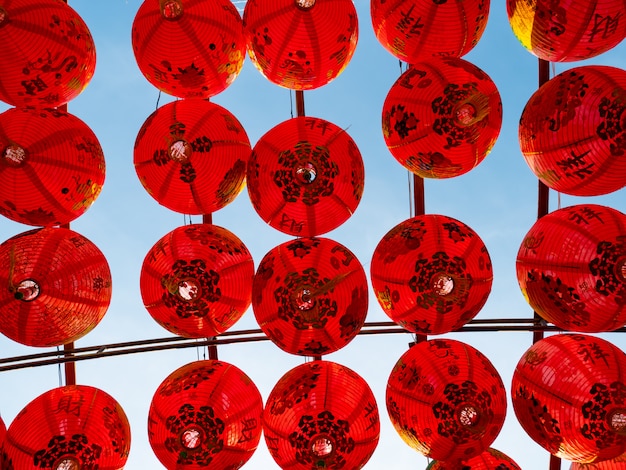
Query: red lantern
{"type": "Point", "coordinates": [206, 414]}
{"type": "Point", "coordinates": [491, 459]}
{"type": "Point", "coordinates": [571, 133]}
{"type": "Point", "coordinates": [51, 166]}
{"type": "Point", "coordinates": [431, 274]}
{"type": "Point", "coordinates": [442, 117]}
{"type": "Point", "coordinates": [59, 287]}
{"type": "Point", "coordinates": [615, 464]}
{"type": "Point", "coordinates": [4, 462]}
{"type": "Point", "coordinates": [567, 30]}
{"type": "Point", "coordinates": [305, 176]}
{"type": "Point", "coordinates": [568, 395]}
{"type": "Point", "coordinates": [47, 54]}
{"type": "Point", "coordinates": [446, 400]}
{"type": "Point", "coordinates": [72, 427]}
{"type": "Point", "coordinates": [571, 267]}
{"type": "Point", "coordinates": [196, 281]}
{"type": "Point", "coordinates": [191, 156]}
{"type": "Point", "coordinates": [310, 296]}
{"type": "Point", "coordinates": [189, 49]}
{"type": "Point", "coordinates": [416, 30]}
{"type": "Point", "coordinates": [301, 44]}
{"type": "Point", "coordinates": [321, 415]}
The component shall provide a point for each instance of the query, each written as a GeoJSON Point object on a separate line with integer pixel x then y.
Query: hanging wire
{"type": "Point", "coordinates": [59, 370]}
{"type": "Point", "coordinates": [158, 99]}
{"type": "Point", "coordinates": [291, 102]}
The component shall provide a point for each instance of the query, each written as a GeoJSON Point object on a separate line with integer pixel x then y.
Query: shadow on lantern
{"type": "Point", "coordinates": [491, 459]}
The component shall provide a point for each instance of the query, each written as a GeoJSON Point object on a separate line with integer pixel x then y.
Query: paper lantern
{"type": "Point", "coordinates": [59, 287]}
{"type": "Point", "coordinates": [615, 464]}
{"type": "Point", "coordinates": [321, 415]}
{"type": "Point", "coordinates": [441, 118]}
{"type": "Point", "coordinates": [571, 131]}
{"type": "Point", "coordinates": [568, 30]}
{"type": "Point", "coordinates": [206, 414]}
{"type": "Point", "coordinates": [51, 166]}
{"type": "Point", "coordinates": [446, 400]}
{"type": "Point", "coordinates": [301, 44]}
{"type": "Point", "coordinates": [305, 176]}
{"type": "Point", "coordinates": [571, 267]}
{"type": "Point", "coordinates": [416, 30]}
{"type": "Point", "coordinates": [70, 428]}
{"type": "Point", "coordinates": [310, 296]}
{"type": "Point", "coordinates": [191, 155]}
{"type": "Point", "coordinates": [196, 281]}
{"type": "Point", "coordinates": [568, 395]}
{"type": "Point", "coordinates": [431, 274]}
{"type": "Point", "coordinates": [189, 49]}
{"type": "Point", "coordinates": [491, 459]}
{"type": "Point", "coordinates": [4, 461]}
{"type": "Point", "coordinates": [47, 54]}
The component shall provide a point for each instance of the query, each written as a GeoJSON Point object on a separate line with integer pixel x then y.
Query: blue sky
{"type": "Point", "coordinates": [497, 199]}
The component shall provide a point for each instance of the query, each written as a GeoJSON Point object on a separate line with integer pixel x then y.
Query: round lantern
{"type": "Point", "coordinates": [571, 267]}
{"type": "Point", "coordinates": [446, 400]}
{"type": "Point", "coordinates": [431, 274]}
{"type": "Point", "coordinates": [491, 459]}
{"type": "Point", "coordinates": [57, 287]}
{"type": "Point", "coordinates": [305, 176]}
{"type": "Point", "coordinates": [615, 464]}
{"type": "Point", "coordinates": [191, 156]}
{"type": "Point", "coordinates": [321, 415]}
{"type": "Point", "coordinates": [571, 131]}
{"type": "Point", "coordinates": [441, 118]}
{"type": "Point", "coordinates": [196, 281]}
{"type": "Point", "coordinates": [206, 414]}
{"type": "Point", "coordinates": [301, 44]}
{"type": "Point", "coordinates": [567, 31]}
{"type": "Point", "coordinates": [4, 461]}
{"type": "Point", "coordinates": [51, 166]}
{"type": "Point", "coordinates": [71, 427]}
{"type": "Point", "coordinates": [189, 49]}
{"type": "Point", "coordinates": [310, 296]}
{"type": "Point", "coordinates": [47, 54]}
{"type": "Point", "coordinates": [417, 30]}
{"type": "Point", "coordinates": [568, 395]}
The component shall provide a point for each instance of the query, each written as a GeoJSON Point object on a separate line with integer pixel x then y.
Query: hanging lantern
{"type": "Point", "coordinates": [571, 131]}
{"type": "Point", "coordinates": [47, 54]}
{"type": "Point", "coordinates": [616, 464]}
{"type": "Point", "coordinates": [417, 30]}
{"type": "Point", "coordinates": [189, 49]}
{"type": "Point", "coordinates": [59, 287]}
{"type": "Point", "coordinates": [305, 176]}
{"type": "Point", "coordinates": [446, 400]}
{"type": "Point", "coordinates": [431, 274]}
{"type": "Point", "coordinates": [321, 415]}
{"type": "Point", "coordinates": [51, 166]}
{"type": "Point", "coordinates": [568, 30]}
{"type": "Point", "coordinates": [301, 44]}
{"type": "Point", "coordinates": [4, 461]}
{"type": "Point", "coordinates": [568, 395]}
{"type": "Point", "coordinates": [191, 156]}
{"type": "Point", "coordinates": [196, 281]}
{"type": "Point", "coordinates": [71, 427]}
{"type": "Point", "coordinates": [571, 267]}
{"type": "Point", "coordinates": [206, 414]}
{"type": "Point", "coordinates": [442, 117]}
{"type": "Point", "coordinates": [491, 459]}
{"type": "Point", "coordinates": [310, 296]}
